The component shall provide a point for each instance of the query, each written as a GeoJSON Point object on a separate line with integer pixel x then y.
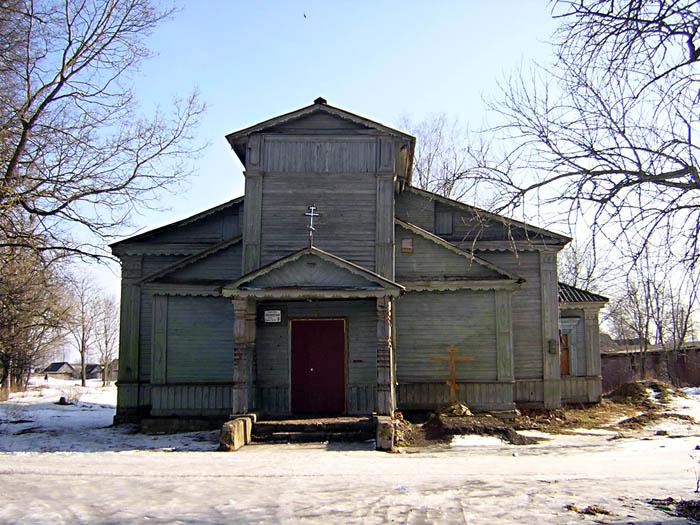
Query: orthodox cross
{"type": "Point", "coordinates": [452, 359]}
{"type": "Point", "coordinates": [311, 214]}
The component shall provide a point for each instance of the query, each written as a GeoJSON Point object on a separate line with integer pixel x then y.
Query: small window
{"type": "Point", "coordinates": [443, 222]}
{"type": "Point", "coordinates": [406, 245]}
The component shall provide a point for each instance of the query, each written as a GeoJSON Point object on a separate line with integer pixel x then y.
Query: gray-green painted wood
{"type": "Point", "coordinates": [319, 154]}
{"type": "Point", "coordinates": [550, 330]}
{"type": "Point", "coordinates": [427, 323]}
{"type": "Point", "coordinates": [416, 209]}
{"type": "Point", "coordinates": [429, 261]}
{"type": "Point", "coordinates": [346, 227]}
{"type": "Point", "coordinates": [526, 311]}
{"type": "Point", "coordinates": [312, 272]}
{"type": "Point", "coordinates": [252, 223]}
{"type": "Point", "coordinates": [384, 242]}
{"type": "Point", "coordinates": [479, 396]}
{"type": "Point", "coordinates": [504, 336]}
{"type": "Point", "coordinates": [572, 324]}
{"type": "Point", "coordinates": [225, 265]}
{"type": "Point", "coordinates": [159, 340]}
{"type": "Point", "coordinates": [199, 339]}
{"type": "Point", "coordinates": [203, 400]}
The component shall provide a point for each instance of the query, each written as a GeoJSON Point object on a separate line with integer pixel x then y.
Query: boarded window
{"type": "Point", "coordinates": [443, 222]}
{"type": "Point", "coordinates": [406, 245]}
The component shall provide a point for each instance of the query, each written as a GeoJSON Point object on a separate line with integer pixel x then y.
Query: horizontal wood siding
{"type": "Point", "coordinates": [199, 340]}
{"type": "Point", "coordinates": [191, 400]}
{"type": "Point", "coordinates": [303, 154]}
{"type": "Point", "coordinates": [272, 349]}
{"type": "Point", "coordinates": [529, 392]}
{"type": "Point", "coordinates": [311, 271]}
{"type": "Point", "coordinates": [208, 229]}
{"type": "Point", "coordinates": [224, 265]}
{"type": "Point", "coordinates": [320, 123]}
{"type": "Point", "coordinates": [154, 263]}
{"type": "Point", "coordinates": [346, 227]}
{"type": "Point", "coordinates": [479, 396]}
{"type": "Point", "coordinates": [527, 308]}
{"type": "Point", "coordinates": [430, 261]}
{"type": "Point", "coordinates": [427, 323]}
{"type": "Point", "coordinates": [416, 209]}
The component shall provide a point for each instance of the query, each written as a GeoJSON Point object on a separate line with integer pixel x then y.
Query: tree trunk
{"type": "Point", "coordinates": [83, 373]}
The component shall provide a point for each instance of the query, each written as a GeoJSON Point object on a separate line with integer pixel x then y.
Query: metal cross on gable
{"type": "Point", "coordinates": [311, 214]}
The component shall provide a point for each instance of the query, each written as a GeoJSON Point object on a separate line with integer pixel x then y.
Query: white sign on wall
{"type": "Point", "coordinates": [273, 316]}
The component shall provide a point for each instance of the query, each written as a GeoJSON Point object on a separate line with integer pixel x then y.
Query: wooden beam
{"type": "Point", "coordinates": [243, 391]}
{"type": "Point", "coordinates": [159, 339]}
{"type": "Point", "coordinates": [386, 388]}
{"type": "Point", "coordinates": [384, 245]}
{"type": "Point", "coordinates": [253, 220]}
{"type": "Point", "coordinates": [550, 330]}
{"type": "Point", "coordinates": [504, 337]}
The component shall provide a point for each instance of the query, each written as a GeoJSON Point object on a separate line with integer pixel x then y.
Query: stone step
{"type": "Point", "coordinates": [269, 427]}
{"type": "Point", "coordinates": [312, 437]}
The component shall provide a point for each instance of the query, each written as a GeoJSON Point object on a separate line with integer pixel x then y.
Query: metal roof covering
{"type": "Point", "coordinates": [571, 294]}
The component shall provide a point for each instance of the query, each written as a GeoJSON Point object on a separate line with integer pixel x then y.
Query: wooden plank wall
{"type": "Point", "coordinates": [416, 209]}
{"type": "Point", "coordinates": [191, 400]}
{"type": "Point", "coordinates": [223, 265]}
{"type": "Point", "coordinates": [526, 305]}
{"type": "Point", "coordinates": [427, 323]}
{"type": "Point", "coordinates": [579, 339]}
{"type": "Point", "coordinates": [319, 154]}
{"type": "Point", "coordinates": [479, 396]}
{"type": "Point", "coordinates": [272, 348]}
{"type": "Point", "coordinates": [199, 339]}
{"type": "Point", "coordinates": [529, 392]}
{"type": "Point", "coordinates": [431, 261]}
{"type": "Point", "coordinates": [345, 228]}
{"type": "Point", "coordinates": [312, 271]}
{"type": "Point", "coordinates": [581, 389]}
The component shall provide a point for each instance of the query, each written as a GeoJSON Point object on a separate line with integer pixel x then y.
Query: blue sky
{"type": "Point", "coordinates": [253, 60]}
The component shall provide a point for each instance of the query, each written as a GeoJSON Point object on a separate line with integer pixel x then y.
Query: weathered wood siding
{"type": "Point", "coordinates": [317, 154]}
{"type": "Point", "coordinates": [154, 263]}
{"type": "Point", "coordinates": [529, 392]}
{"type": "Point", "coordinates": [311, 271]}
{"type": "Point", "coordinates": [527, 308]}
{"type": "Point", "coordinates": [416, 209]}
{"type": "Point", "coordinates": [346, 202]}
{"type": "Point", "coordinates": [429, 261]}
{"type": "Point", "coordinates": [202, 400]}
{"type": "Point", "coordinates": [321, 123]}
{"type": "Point", "coordinates": [199, 340]}
{"type": "Point", "coordinates": [427, 323]}
{"type": "Point", "coordinates": [581, 389]}
{"type": "Point", "coordinates": [479, 396]}
{"type": "Point", "coordinates": [224, 265]}
{"type": "Point", "coordinates": [210, 229]}
{"type": "Point", "coordinates": [273, 357]}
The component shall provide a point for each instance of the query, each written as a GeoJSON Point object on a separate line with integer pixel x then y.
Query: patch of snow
{"type": "Point", "coordinates": [74, 467]}
{"type": "Point", "coordinates": [476, 441]}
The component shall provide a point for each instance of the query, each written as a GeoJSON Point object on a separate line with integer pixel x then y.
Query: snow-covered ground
{"type": "Point", "coordinates": [66, 465]}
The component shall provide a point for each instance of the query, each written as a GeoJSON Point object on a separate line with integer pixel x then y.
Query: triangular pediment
{"type": "Point", "coordinates": [423, 256]}
{"type": "Point", "coordinates": [312, 273]}
{"type": "Point", "coordinates": [218, 264]}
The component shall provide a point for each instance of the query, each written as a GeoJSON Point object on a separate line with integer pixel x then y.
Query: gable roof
{"type": "Point", "coordinates": [57, 366]}
{"type": "Point", "coordinates": [363, 282]}
{"type": "Point", "coordinates": [187, 261]}
{"type": "Point", "coordinates": [557, 237]}
{"type": "Point", "coordinates": [171, 226]}
{"type": "Point", "coordinates": [571, 294]}
{"type": "Point", "coordinates": [470, 257]}
{"type": "Point", "coordinates": [319, 105]}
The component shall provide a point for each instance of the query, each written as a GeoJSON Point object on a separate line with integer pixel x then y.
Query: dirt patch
{"type": "Point", "coordinates": [591, 510]}
{"type": "Point", "coordinates": [635, 393]}
{"type": "Point", "coordinates": [683, 508]}
{"type": "Point", "coordinates": [648, 418]}
{"type": "Point", "coordinates": [562, 420]}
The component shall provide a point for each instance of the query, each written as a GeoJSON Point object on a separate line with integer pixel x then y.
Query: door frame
{"type": "Point", "coordinates": [290, 321]}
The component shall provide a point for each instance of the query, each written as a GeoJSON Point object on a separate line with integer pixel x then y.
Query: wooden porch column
{"type": "Point", "coordinates": [243, 400]}
{"type": "Point", "coordinates": [386, 392]}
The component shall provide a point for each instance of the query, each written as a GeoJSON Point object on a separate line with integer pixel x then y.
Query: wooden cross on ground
{"type": "Point", "coordinates": [452, 359]}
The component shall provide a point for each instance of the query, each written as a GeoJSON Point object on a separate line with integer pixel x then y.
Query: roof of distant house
{"type": "Point", "coordinates": [571, 294]}
{"type": "Point", "coordinates": [57, 366]}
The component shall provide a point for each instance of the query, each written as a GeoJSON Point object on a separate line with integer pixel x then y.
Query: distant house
{"type": "Point", "coordinates": [61, 370]}
{"type": "Point", "coordinates": [93, 371]}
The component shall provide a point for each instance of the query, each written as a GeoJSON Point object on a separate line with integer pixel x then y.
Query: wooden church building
{"type": "Point", "coordinates": [333, 286]}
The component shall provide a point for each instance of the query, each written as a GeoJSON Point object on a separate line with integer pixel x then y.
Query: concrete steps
{"type": "Point", "coordinates": [314, 430]}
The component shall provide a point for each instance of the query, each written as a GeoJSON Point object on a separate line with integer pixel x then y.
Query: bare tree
{"type": "Point", "coordinates": [33, 313]}
{"type": "Point", "coordinates": [609, 132]}
{"type": "Point", "coordinates": [581, 265]}
{"type": "Point", "coordinates": [107, 333]}
{"type": "Point", "coordinates": [84, 319]}
{"type": "Point", "coordinates": [75, 151]}
{"type": "Point", "coordinates": [443, 155]}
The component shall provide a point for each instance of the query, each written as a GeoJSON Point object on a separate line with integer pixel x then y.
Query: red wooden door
{"type": "Point", "coordinates": [318, 366]}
